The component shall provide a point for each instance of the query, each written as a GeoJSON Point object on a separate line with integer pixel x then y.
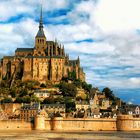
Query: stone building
{"type": "Point", "coordinates": [47, 61]}
{"type": "Point", "coordinates": [82, 105]}
{"type": "Point", "coordinates": [52, 109]}
{"type": "Point", "coordinates": [28, 112]}
{"type": "Point", "coordinates": [42, 94]}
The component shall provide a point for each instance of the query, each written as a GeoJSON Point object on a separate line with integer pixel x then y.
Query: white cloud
{"type": "Point", "coordinates": [54, 4]}
{"type": "Point", "coordinates": [90, 48]}
{"type": "Point", "coordinates": [135, 81]}
{"type": "Point", "coordinates": [12, 8]}
{"type": "Point", "coordinates": [114, 15]}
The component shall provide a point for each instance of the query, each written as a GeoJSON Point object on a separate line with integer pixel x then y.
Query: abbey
{"type": "Point", "coordinates": [46, 61]}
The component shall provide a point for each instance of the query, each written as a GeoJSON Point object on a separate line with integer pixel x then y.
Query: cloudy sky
{"type": "Point", "coordinates": [104, 33]}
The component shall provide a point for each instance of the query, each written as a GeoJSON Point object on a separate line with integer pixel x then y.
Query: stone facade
{"type": "Point", "coordinates": [42, 94]}
{"type": "Point", "coordinates": [47, 61]}
{"type": "Point", "coordinates": [55, 108]}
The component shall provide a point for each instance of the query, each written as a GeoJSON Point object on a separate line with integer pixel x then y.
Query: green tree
{"type": "Point", "coordinates": [7, 100]}
{"type": "Point", "coordinates": [13, 93]}
{"type": "Point", "coordinates": [31, 84]}
{"type": "Point", "coordinates": [23, 92]}
{"type": "Point", "coordinates": [43, 85]}
{"type": "Point", "coordinates": [78, 83]}
{"type": "Point", "coordinates": [70, 106]}
{"type": "Point", "coordinates": [26, 99]}
{"type": "Point", "coordinates": [65, 79]}
{"type": "Point", "coordinates": [108, 93]}
{"type": "Point", "coordinates": [72, 75]}
{"type": "Point", "coordinates": [34, 98]}
{"type": "Point", "coordinates": [19, 100]}
{"type": "Point", "coordinates": [49, 100]}
{"type": "Point", "coordinates": [3, 84]}
{"type": "Point", "coordinates": [68, 89]}
{"type": "Point", "coordinates": [86, 86]}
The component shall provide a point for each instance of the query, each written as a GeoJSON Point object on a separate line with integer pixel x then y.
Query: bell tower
{"type": "Point", "coordinates": [40, 39]}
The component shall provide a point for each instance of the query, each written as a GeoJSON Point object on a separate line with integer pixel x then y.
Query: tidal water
{"type": "Point", "coordinates": [82, 135]}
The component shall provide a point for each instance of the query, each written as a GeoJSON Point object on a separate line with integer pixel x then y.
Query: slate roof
{"type": "Point", "coordinates": [54, 105]}
{"type": "Point", "coordinates": [8, 57]}
{"type": "Point", "coordinates": [40, 33]}
{"type": "Point", "coordinates": [50, 42]}
{"type": "Point", "coordinates": [72, 62]}
{"type": "Point", "coordinates": [24, 49]}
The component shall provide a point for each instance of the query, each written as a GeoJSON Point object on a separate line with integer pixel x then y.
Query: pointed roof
{"type": "Point", "coordinates": [40, 31]}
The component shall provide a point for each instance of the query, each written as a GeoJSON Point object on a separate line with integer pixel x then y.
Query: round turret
{"type": "Point", "coordinates": [39, 122]}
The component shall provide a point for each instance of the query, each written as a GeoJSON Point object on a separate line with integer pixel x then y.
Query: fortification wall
{"type": "Point", "coordinates": [122, 123]}
{"type": "Point", "coordinates": [15, 125]}
{"type": "Point", "coordinates": [128, 123]}
{"type": "Point", "coordinates": [81, 124]}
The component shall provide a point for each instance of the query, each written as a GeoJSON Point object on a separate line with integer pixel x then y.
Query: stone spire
{"type": "Point", "coordinates": [40, 32]}
{"type": "Point", "coordinates": [63, 51]}
{"type": "Point", "coordinates": [78, 61]}
{"type": "Point", "coordinates": [41, 20]}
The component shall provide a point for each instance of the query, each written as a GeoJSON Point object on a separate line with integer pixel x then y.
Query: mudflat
{"type": "Point", "coordinates": [62, 135]}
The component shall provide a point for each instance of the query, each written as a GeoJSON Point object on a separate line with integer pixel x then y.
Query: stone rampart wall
{"type": "Point", "coordinates": [122, 123]}
{"type": "Point", "coordinates": [15, 125]}
{"type": "Point", "coordinates": [128, 123]}
{"type": "Point", "coordinates": [81, 124]}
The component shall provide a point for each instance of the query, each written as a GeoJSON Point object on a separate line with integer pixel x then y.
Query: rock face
{"type": "Point", "coordinates": [46, 61]}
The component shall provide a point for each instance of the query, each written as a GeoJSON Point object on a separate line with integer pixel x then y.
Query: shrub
{"type": "Point", "coordinates": [43, 85]}
{"type": "Point", "coordinates": [7, 100]}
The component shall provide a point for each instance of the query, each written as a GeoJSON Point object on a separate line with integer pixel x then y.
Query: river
{"type": "Point", "coordinates": [82, 135]}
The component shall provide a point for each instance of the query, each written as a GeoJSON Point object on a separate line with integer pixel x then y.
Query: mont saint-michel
{"type": "Point", "coordinates": [46, 61]}
{"type": "Point", "coordinates": [41, 88]}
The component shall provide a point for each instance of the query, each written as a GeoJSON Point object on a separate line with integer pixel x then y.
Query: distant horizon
{"type": "Point", "coordinates": [104, 34]}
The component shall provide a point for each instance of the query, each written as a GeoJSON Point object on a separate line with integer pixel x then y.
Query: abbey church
{"type": "Point", "coordinates": [47, 61]}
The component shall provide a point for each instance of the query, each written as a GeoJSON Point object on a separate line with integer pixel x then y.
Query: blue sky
{"type": "Point", "coordinates": [104, 33]}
